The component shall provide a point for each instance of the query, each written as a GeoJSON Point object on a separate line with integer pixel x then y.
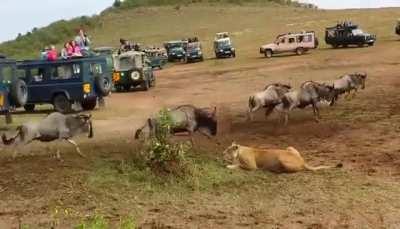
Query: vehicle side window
{"type": "Point", "coordinates": [95, 69]}
{"type": "Point", "coordinates": [292, 40]}
{"type": "Point", "coordinates": [300, 39]}
{"type": "Point", "coordinates": [7, 72]}
{"type": "Point", "coordinates": [282, 41]}
{"type": "Point", "coordinates": [63, 72]}
{"type": "Point", "coordinates": [37, 74]}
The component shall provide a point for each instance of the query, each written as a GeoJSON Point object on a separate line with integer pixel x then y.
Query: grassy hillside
{"type": "Point", "coordinates": [28, 45]}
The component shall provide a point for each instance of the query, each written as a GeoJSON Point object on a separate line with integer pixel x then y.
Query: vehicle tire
{"type": "Point", "coordinates": [29, 107]}
{"type": "Point", "coordinates": [19, 93]}
{"type": "Point", "coordinates": [371, 44]}
{"type": "Point", "coordinates": [268, 53]}
{"type": "Point", "coordinates": [145, 85]}
{"type": "Point", "coordinates": [127, 87]}
{"type": "Point", "coordinates": [103, 85]}
{"type": "Point", "coordinates": [299, 51]}
{"type": "Point", "coordinates": [119, 88]}
{"type": "Point", "coordinates": [335, 46]}
{"type": "Point", "coordinates": [62, 104]}
{"type": "Point", "coordinates": [89, 104]}
{"type": "Point", "coordinates": [9, 119]}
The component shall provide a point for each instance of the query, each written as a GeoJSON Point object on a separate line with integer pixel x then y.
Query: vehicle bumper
{"type": "Point", "coordinates": [125, 79]}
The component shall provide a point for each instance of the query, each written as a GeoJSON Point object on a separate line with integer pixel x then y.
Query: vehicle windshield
{"type": "Point", "coordinates": [357, 32]}
{"type": "Point", "coordinates": [175, 45]}
{"type": "Point", "coordinates": [125, 63]}
{"type": "Point", "coordinates": [193, 46]}
{"type": "Point", "coordinates": [224, 43]}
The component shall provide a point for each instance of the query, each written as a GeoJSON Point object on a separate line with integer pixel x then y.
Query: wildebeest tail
{"type": "Point", "coordinates": [11, 140]}
{"type": "Point", "coordinates": [252, 102]}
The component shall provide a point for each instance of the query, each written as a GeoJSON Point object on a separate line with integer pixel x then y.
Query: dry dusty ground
{"type": "Point", "coordinates": [38, 190]}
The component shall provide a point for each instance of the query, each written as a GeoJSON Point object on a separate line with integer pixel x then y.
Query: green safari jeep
{"type": "Point", "coordinates": [132, 69]}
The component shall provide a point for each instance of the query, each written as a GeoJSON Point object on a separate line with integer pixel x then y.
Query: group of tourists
{"type": "Point", "coordinates": [78, 47]}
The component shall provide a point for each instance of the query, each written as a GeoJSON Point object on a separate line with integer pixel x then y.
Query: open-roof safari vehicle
{"type": "Point", "coordinates": [132, 69]}
{"type": "Point", "coordinates": [298, 43]}
{"type": "Point", "coordinates": [157, 56]}
{"type": "Point", "coordinates": [193, 50]}
{"type": "Point", "coordinates": [346, 33]}
{"type": "Point", "coordinates": [108, 53]}
{"type": "Point", "coordinates": [63, 83]}
{"type": "Point", "coordinates": [13, 92]}
{"type": "Point", "coordinates": [223, 46]}
{"type": "Point", "coordinates": [176, 50]}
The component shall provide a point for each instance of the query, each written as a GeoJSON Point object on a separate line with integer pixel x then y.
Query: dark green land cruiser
{"type": "Point", "coordinates": [345, 34]}
{"type": "Point", "coordinates": [79, 81]}
{"type": "Point", "coordinates": [13, 92]}
{"type": "Point", "coordinates": [132, 69]}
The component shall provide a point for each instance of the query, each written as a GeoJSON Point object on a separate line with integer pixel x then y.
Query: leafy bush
{"type": "Point", "coordinates": [162, 155]}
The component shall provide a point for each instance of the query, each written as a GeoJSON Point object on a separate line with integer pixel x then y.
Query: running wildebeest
{"type": "Point", "coordinates": [185, 118]}
{"type": "Point", "coordinates": [310, 93]}
{"type": "Point", "coordinates": [268, 99]}
{"type": "Point", "coordinates": [348, 83]}
{"type": "Point", "coordinates": [55, 126]}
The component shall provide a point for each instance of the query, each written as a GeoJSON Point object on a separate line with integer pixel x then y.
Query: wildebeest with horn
{"type": "Point", "coordinates": [310, 93]}
{"type": "Point", "coordinates": [347, 84]}
{"type": "Point", "coordinates": [185, 118]}
{"type": "Point", "coordinates": [268, 99]}
{"type": "Point", "coordinates": [55, 126]}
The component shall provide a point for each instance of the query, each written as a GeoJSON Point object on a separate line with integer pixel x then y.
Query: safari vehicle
{"type": "Point", "coordinates": [193, 50]}
{"type": "Point", "coordinates": [175, 50]}
{"type": "Point", "coordinates": [108, 53]}
{"type": "Point", "coordinates": [397, 28]}
{"type": "Point", "coordinates": [298, 43]}
{"type": "Point", "coordinates": [63, 83]}
{"type": "Point", "coordinates": [345, 34]}
{"type": "Point", "coordinates": [132, 69]}
{"type": "Point", "coordinates": [158, 57]}
{"type": "Point", "coordinates": [13, 92]}
{"type": "Point", "coordinates": [223, 46]}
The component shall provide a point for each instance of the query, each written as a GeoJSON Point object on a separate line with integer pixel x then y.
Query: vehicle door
{"type": "Point", "coordinates": [282, 45]}
{"type": "Point", "coordinates": [66, 77]}
{"type": "Point", "coordinates": [36, 80]}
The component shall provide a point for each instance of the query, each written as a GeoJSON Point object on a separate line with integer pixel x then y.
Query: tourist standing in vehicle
{"type": "Point", "coordinates": [52, 53]}
{"type": "Point", "coordinates": [67, 51]}
{"type": "Point", "coordinates": [82, 40]}
{"type": "Point", "coordinates": [76, 49]}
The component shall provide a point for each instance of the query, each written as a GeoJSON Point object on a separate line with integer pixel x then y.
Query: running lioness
{"type": "Point", "coordinates": [277, 161]}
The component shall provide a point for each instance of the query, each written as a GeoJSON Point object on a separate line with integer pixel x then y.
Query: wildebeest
{"type": "Point", "coordinates": [348, 83]}
{"type": "Point", "coordinates": [268, 99]}
{"type": "Point", "coordinates": [55, 126]}
{"type": "Point", "coordinates": [185, 118]}
{"type": "Point", "coordinates": [310, 93]}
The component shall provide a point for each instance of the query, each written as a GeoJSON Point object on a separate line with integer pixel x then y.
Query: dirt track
{"type": "Point", "coordinates": [361, 133]}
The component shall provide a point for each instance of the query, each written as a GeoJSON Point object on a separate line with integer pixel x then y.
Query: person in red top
{"type": "Point", "coordinates": [76, 49]}
{"type": "Point", "coordinates": [52, 54]}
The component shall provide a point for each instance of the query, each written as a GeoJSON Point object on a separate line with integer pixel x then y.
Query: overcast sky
{"type": "Point", "coordinates": [20, 16]}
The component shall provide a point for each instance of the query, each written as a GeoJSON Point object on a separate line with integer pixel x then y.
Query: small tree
{"type": "Point", "coordinates": [117, 3]}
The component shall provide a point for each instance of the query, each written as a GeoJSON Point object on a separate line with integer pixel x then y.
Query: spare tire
{"type": "Point", "coordinates": [103, 85]}
{"type": "Point", "coordinates": [19, 93]}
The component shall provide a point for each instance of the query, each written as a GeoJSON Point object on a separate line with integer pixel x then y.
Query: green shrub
{"type": "Point", "coordinates": [162, 155]}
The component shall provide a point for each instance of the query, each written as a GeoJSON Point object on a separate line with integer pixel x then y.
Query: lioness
{"type": "Point", "coordinates": [277, 161]}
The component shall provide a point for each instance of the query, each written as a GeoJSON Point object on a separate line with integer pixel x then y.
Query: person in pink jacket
{"type": "Point", "coordinates": [52, 54]}
{"type": "Point", "coordinates": [76, 49]}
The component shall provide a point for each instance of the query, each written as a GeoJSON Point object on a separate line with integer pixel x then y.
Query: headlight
{"type": "Point", "coordinates": [173, 53]}
{"type": "Point", "coordinates": [232, 49]}
{"type": "Point", "coordinates": [221, 50]}
{"type": "Point", "coordinates": [86, 88]}
{"type": "Point", "coordinates": [135, 75]}
{"type": "Point", "coordinates": [116, 76]}
{"type": "Point", "coordinates": [200, 53]}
